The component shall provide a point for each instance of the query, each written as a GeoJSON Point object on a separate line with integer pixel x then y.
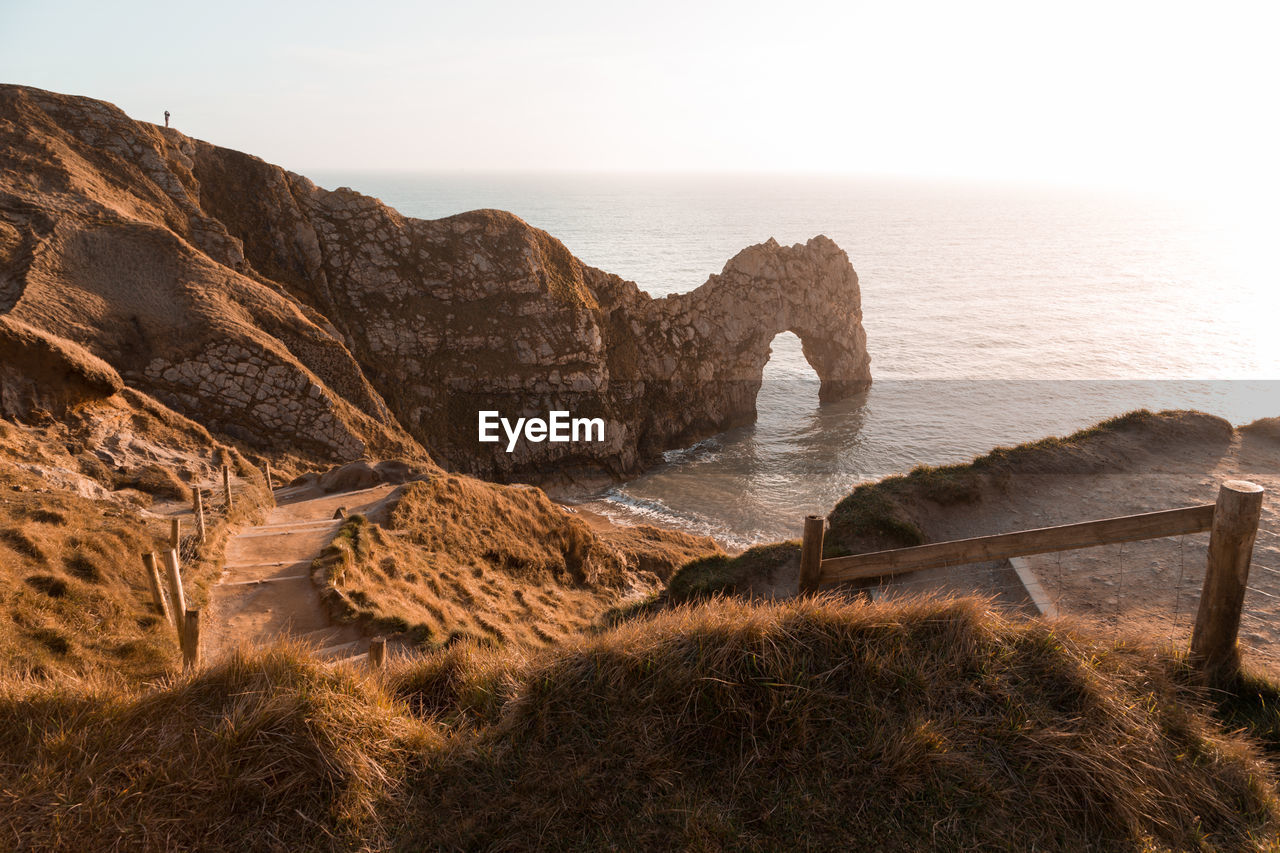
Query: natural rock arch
{"type": "Point", "coordinates": [708, 348]}
{"type": "Point", "coordinates": [294, 317]}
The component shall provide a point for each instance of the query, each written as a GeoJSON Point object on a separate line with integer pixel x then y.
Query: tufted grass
{"type": "Point", "coordinates": [816, 724]}
{"type": "Point", "coordinates": [461, 560]}
{"type": "Point", "coordinates": [74, 599]}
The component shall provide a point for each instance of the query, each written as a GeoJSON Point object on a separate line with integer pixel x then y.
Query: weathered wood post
{"type": "Point", "coordinates": [176, 598]}
{"type": "Point", "coordinates": [811, 554]}
{"type": "Point", "coordinates": [1214, 648]}
{"type": "Point", "coordinates": [175, 534]}
{"type": "Point", "coordinates": [157, 590]}
{"type": "Point", "coordinates": [226, 486]}
{"type": "Point", "coordinates": [198, 509]}
{"type": "Point", "coordinates": [377, 652]}
{"type": "Point", "coordinates": [266, 469]}
{"type": "Point", "coordinates": [191, 639]}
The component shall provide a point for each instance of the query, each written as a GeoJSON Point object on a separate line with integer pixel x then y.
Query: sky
{"type": "Point", "coordinates": [1143, 95]}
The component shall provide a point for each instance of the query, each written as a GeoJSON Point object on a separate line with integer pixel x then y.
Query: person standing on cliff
{"type": "Point", "coordinates": [166, 118]}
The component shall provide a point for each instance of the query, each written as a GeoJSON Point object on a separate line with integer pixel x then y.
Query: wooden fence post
{"type": "Point", "coordinates": [811, 554]}
{"type": "Point", "coordinates": [1214, 648]}
{"type": "Point", "coordinates": [377, 652]}
{"type": "Point", "coordinates": [198, 509]}
{"type": "Point", "coordinates": [157, 590]}
{"type": "Point", "coordinates": [191, 639]}
{"type": "Point", "coordinates": [175, 534]}
{"type": "Point", "coordinates": [226, 486]}
{"type": "Point", "coordinates": [176, 597]}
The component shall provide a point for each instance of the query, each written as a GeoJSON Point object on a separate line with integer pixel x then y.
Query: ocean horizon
{"type": "Point", "coordinates": [995, 314]}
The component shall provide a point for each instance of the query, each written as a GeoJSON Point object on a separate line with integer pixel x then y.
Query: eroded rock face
{"type": "Point", "coordinates": [39, 372]}
{"type": "Point", "coordinates": [284, 314]}
{"type": "Point", "coordinates": [665, 373]}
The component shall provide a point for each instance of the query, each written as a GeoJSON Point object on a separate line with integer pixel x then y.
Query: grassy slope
{"type": "Point", "coordinates": [729, 726]}
{"type": "Point", "coordinates": [887, 513]}
{"type": "Point", "coordinates": [74, 600]}
{"type": "Point", "coordinates": [882, 515]}
{"type": "Point", "coordinates": [464, 559]}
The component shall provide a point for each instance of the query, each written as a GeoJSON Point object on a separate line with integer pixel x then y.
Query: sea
{"type": "Point", "coordinates": [995, 314]}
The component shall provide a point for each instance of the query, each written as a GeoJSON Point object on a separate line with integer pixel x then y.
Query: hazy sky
{"type": "Point", "coordinates": [1146, 94]}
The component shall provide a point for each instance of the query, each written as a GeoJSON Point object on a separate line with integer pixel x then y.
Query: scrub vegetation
{"type": "Point", "coordinates": [461, 559]}
{"type": "Point", "coordinates": [921, 725]}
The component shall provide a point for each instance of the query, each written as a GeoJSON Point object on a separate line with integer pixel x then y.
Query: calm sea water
{"type": "Point", "coordinates": [994, 315]}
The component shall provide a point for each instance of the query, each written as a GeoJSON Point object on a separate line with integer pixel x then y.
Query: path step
{"type": "Point", "coordinates": [230, 566]}
{"type": "Point", "coordinates": [267, 580]}
{"type": "Point", "coordinates": [342, 650]}
{"type": "Point", "coordinates": [315, 522]}
{"type": "Point", "coordinates": [301, 579]}
{"type": "Point", "coordinates": [239, 573]}
{"type": "Point", "coordinates": [323, 637]}
{"type": "Point", "coordinates": [360, 660]}
{"type": "Point", "coordinates": [292, 531]}
{"type": "Point", "coordinates": [268, 588]}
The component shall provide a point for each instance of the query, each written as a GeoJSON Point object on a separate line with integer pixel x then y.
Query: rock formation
{"type": "Point", "coordinates": [294, 318]}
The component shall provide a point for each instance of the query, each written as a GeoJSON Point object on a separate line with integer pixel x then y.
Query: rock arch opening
{"type": "Point", "coordinates": [788, 382]}
{"type": "Point", "coordinates": [785, 359]}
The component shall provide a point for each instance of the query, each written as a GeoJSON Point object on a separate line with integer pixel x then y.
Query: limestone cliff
{"type": "Point", "coordinates": [285, 315]}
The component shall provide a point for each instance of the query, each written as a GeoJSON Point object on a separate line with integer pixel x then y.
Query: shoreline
{"type": "Point", "coordinates": [604, 514]}
{"type": "Point", "coordinates": [602, 522]}
{"type": "Point", "coordinates": [1149, 587]}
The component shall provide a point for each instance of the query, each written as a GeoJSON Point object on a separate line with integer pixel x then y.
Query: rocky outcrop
{"type": "Point", "coordinates": [667, 372]}
{"type": "Point", "coordinates": [39, 372]}
{"type": "Point", "coordinates": [285, 315]}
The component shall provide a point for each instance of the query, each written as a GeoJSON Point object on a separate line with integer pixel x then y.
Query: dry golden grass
{"type": "Point", "coordinates": [886, 514]}
{"type": "Point", "coordinates": [819, 725]}
{"type": "Point", "coordinates": [655, 549]}
{"type": "Point", "coordinates": [462, 559]}
{"type": "Point", "coordinates": [45, 370]}
{"type": "Point", "coordinates": [514, 528]}
{"type": "Point", "coordinates": [442, 598]}
{"type": "Point", "coordinates": [156, 481]}
{"type": "Point", "coordinates": [74, 600]}
{"type": "Point", "coordinates": [1265, 428]}
{"type": "Point", "coordinates": [268, 752]}
{"type": "Point", "coordinates": [805, 725]}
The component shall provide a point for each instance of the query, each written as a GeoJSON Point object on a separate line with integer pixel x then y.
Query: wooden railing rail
{"type": "Point", "coordinates": [1232, 523]}
{"type": "Point", "coordinates": [1023, 543]}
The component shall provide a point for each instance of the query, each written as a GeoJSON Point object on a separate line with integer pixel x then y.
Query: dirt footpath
{"type": "Point", "coordinates": [265, 592]}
